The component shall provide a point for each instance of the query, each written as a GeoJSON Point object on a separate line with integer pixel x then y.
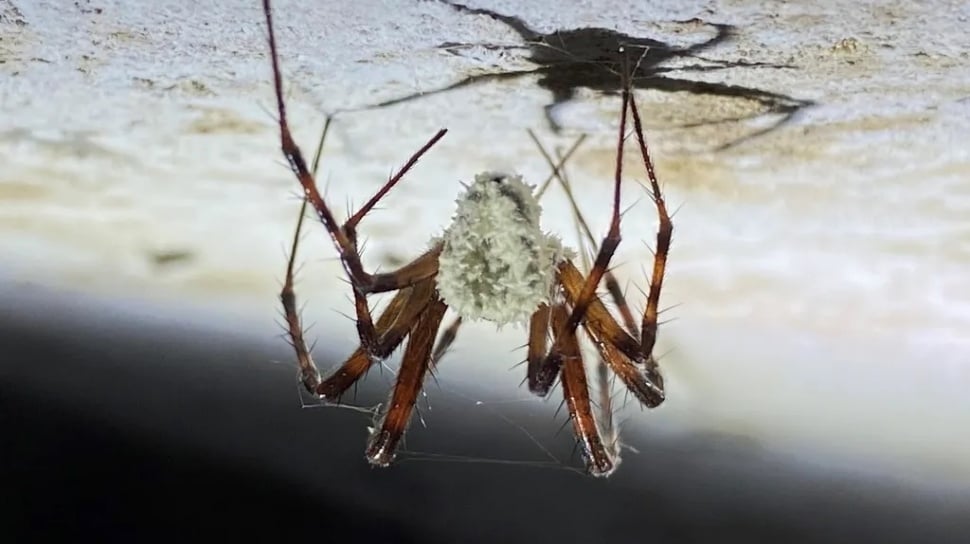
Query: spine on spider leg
{"type": "Point", "coordinates": [390, 428]}
{"type": "Point", "coordinates": [612, 239]}
{"type": "Point", "coordinates": [642, 380]}
{"type": "Point", "coordinates": [540, 381]}
{"type": "Point", "coordinates": [392, 326]}
{"type": "Point", "coordinates": [619, 350]}
{"type": "Point", "coordinates": [542, 370]}
{"type": "Point", "coordinates": [608, 425]}
{"type": "Point", "coordinates": [575, 389]}
{"type": "Point", "coordinates": [665, 230]}
{"type": "Point", "coordinates": [596, 315]}
{"type": "Point", "coordinates": [309, 374]}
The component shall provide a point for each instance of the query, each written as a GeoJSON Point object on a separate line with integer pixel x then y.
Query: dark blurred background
{"type": "Point", "coordinates": [125, 423]}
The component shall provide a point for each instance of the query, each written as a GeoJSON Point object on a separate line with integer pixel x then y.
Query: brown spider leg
{"type": "Point", "coordinates": [648, 335]}
{"type": "Point", "coordinates": [620, 351]}
{"type": "Point", "coordinates": [445, 342]}
{"type": "Point", "coordinates": [587, 308]}
{"type": "Point", "coordinates": [309, 374]}
{"type": "Point", "coordinates": [542, 371]}
{"type": "Point", "coordinates": [540, 375]}
{"type": "Point", "coordinates": [575, 390]}
{"type": "Point", "coordinates": [359, 361]}
{"type": "Point", "coordinates": [392, 327]}
{"type": "Point", "coordinates": [597, 316]}
{"type": "Point", "coordinates": [610, 242]}
{"type": "Point", "coordinates": [423, 267]}
{"type": "Point", "coordinates": [344, 239]}
{"type": "Point", "coordinates": [612, 285]}
{"type": "Point", "coordinates": [602, 370]}
{"type": "Point", "coordinates": [410, 378]}
{"type": "Point", "coordinates": [617, 349]}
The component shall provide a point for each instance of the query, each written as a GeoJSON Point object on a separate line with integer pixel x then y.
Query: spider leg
{"type": "Point", "coordinates": [556, 168]}
{"type": "Point", "coordinates": [309, 374]}
{"type": "Point", "coordinates": [645, 384]}
{"type": "Point", "coordinates": [540, 375]}
{"type": "Point", "coordinates": [587, 296]}
{"type": "Point", "coordinates": [575, 390]}
{"type": "Point", "coordinates": [423, 267]}
{"type": "Point", "coordinates": [601, 370]}
{"type": "Point", "coordinates": [612, 285]}
{"type": "Point", "coordinates": [581, 294]}
{"type": "Point", "coordinates": [543, 371]}
{"type": "Point", "coordinates": [588, 309]}
{"type": "Point", "coordinates": [620, 351]}
{"type": "Point", "coordinates": [410, 377]}
{"type": "Point", "coordinates": [445, 342]}
{"type": "Point", "coordinates": [607, 354]}
{"type": "Point", "coordinates": [392, 327]}
{"type": "Point", "coordinates": [648, 329]}
{"type": "Point", "coordinates": [343, 236]}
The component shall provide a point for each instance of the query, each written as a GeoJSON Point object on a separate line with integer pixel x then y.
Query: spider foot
{"type": "Point", "coordinates": [601, 466]}
{"type": "Point", "coordinates": [652, 394]}
{"type": "Point", "coordinates": [540, 382]}
{"type": "Point", "coordinates": [380, 448]}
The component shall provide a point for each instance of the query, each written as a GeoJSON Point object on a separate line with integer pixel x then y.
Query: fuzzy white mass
{"type": "Point", "coordinates": [497, 264]}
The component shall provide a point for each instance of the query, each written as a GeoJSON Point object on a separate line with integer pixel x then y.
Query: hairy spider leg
{"type": "Point", "coordinates": [540, 372]}
{"type": "Point", "coordinates": [620, 351]}
{"type": "Point", "coordinates": [585, 236]}
{"type": "Point", "coordinates": [601, 371]}
{"type": "Point", "coordinates": [344, 236]}
{"type": "Point", "coordinates": [612, 285]}
{"type": "Point", "coordinates": [444, 343]}
{"type": "Point", "coordinates": [631, 360]}
{"type": "Point", "coordinates": [410, 379]}
{"type": "Point", "coordinates": [309, 374]}
{"type": "Point", "coordinates": [648, 330]}
{"type": "Point", "coordinates": [575, 389]}
{"type": "Point", "coordinates": [391, 328]}
{"type": "Point", "coordinates": [587, 295]}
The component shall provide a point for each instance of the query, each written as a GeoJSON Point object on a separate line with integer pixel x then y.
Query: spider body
{"type": "Point", "coordinates": [495, 263]}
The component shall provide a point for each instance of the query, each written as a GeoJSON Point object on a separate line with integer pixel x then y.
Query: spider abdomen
{"type": "Point", "coordinates": [496, 263]}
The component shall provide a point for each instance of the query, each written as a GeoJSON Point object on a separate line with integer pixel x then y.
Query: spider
{"type": "Point", "coordinates": [493, 263]}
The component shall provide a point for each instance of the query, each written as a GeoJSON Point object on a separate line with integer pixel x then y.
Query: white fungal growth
{"type": "Point", "coordinates": [497, 264]}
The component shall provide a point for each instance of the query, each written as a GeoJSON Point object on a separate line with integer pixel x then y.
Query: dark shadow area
{"type": "Point", "coordinates": [594, 58]}
{"type": "Point", "coordinates": [121, 423]}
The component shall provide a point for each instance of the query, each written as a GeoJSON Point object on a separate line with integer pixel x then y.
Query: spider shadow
{"type": "Point", "coordinates": [593, 58]}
